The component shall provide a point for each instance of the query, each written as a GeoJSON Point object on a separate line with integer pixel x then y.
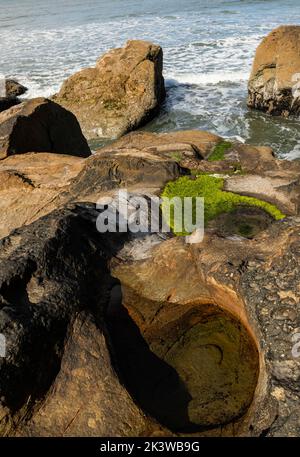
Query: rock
{"type": "Point", "coordinates": [123, 91]}
{"type": "Point", "coordinates": [13, 90]}
{"type": "Point", "coordinates": [143, 163]}
{"type": "Point", "coordinates": [86, 396]}
{"type": "Point", "coordinates": [274, 81]}
{"type": "Point", "coordinates": [186, 147]}
{"type": "Point", "coordinates": [199, 141]}
{"type": "Point", "coordinates": [54, 289]}
{"type": "Point", "coordinates": [190, 338]}
{"type": "Point", "coordinates": [163, 312]}
{"type": "Point", "coordinates": [27, 192]}
{"type": "Point", "coordinates": [40, 125]}
{"type": "Point", "coordinates": [130, 169]}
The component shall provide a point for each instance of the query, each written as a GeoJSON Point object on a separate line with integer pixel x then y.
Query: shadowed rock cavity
{"type": "Point", "coordinates": [190, 367]}
{"type": "Point", "coordinates": [243, 221]}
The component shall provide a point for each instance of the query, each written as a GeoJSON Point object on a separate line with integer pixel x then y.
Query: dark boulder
{"type": "Point", "coordinates": [40, 125]}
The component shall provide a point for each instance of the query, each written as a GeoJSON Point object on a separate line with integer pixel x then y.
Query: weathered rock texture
{"type": "Point", "coordinates": [190, 303]}
{"type": "Point", "coordinates": [54, 288]}
{"type": "Point", "coordinates": [274, 81]}
{"type": "Point", "coordinates": [30, 185]}
{"type": "Point", "coordinates": [122, 92]}
{"type": "Point", "coordinates": [189, 339]}
{"type": "Point", "coordinates": [40, 125]}
{"type": "Point", "coordinates": [13, 90]}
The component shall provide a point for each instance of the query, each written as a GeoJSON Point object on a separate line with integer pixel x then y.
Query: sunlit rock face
{"type": "Point", "coordinates": [123, 91]}
{"type": "Point", "coordinates": [274, 81]}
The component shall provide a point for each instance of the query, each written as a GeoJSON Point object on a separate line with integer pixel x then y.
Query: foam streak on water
{"type": "Point", "coordinates": [208, 46]}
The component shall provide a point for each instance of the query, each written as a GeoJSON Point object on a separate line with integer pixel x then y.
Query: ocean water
{"type": "Point", "coordinates": [208, 45]}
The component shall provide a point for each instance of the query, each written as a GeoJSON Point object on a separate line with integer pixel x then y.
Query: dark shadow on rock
{"type": "Point", "coordinates": [50, 270]}
{"type": "Point", "coordinates": [153, 383]}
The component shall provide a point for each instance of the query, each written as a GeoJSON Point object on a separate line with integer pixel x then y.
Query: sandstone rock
{"type": "Point", "coordinates": [274, 81]}
{"type": "Point", "coordinates": [144, 163]}
{"type": "Point", "coordinates": [191, 339]}
{"type": "Point", "coordinates": [86, 396]}
{"type": "Point", "coordinates": [13, 90]}
{"type": "Point", "coordinates": [164, 310]}
{"type": "Point", "coordinates": [130, 169]}
{"type": "Point", "coordinates": [200, 142]}
{"type": "Point", "coordinates": [54, 289]}
{"type": "Point", "coordinates": [122, 92]}
{"type": "Point", "coordinates": [40, 125]}
{"type": "Point", "coordinates": [27, 192]}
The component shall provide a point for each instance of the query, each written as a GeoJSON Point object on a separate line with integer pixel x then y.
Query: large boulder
{"type": "Point", "coordinates": [40, 125]}
{"type": "Point", "coordinates": [12, 90]}
{"type": "Point", "coordinates": [274, 81]}
{"type": "Point", "coordinates": [123, 91]}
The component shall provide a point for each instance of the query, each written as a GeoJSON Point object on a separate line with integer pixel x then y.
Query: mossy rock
{"type": "Point", "coordinates": [219, 150]}
{"type": "Point", "coordinates": [216, 200]}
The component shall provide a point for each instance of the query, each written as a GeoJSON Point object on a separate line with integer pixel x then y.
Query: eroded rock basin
{"type": "Point", "coordinates": [195, 372]}
{"type": "Point", "coordinates": [243, 221]}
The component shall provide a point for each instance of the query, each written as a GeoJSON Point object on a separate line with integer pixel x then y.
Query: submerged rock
{"type": "Point", "coordinates": [123, 91]}
{"type": "Point", "coordinates": [40, 125]}
{"type": "Point", "coordinates": [274, 81]}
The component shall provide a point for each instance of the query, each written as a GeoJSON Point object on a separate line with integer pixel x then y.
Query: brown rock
{"type": "Point", "coordinates": [86, 396]}
{"type": "Point", "coordinates": [40, 125]}
{"type": "Point", "coordinates": [193, 339]}
{"type": "Point", "coordinates": [273, 84]}
{"type": "Point", "coordinates": [13, 90]}
{"type": "Point", "coordinates": [181, 289]}
{"type": "Point", "coordinates": [199, 141]}
{"type": "Point", "coordinates": [122, 92]}
{"type": "Point", "coordinates": [27, 192]}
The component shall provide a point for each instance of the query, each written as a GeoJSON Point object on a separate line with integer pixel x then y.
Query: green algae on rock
{"type": "Point", "coordinates": [219, 150]}
{"type": "Point", "coordinates": [216, 200]}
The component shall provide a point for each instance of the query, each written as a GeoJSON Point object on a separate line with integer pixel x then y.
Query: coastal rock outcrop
{"type": "Point", "coordinates": [190, 338]}
{"type": "Point", "coordinates": [54, 284]}
{"type": "Point", "coordinates": [40, 125]}
{"type": "Point", "coordinates": [12, 90]}
{"type": "Point", "coordinates": [188, 304]}
{"type": "Point", "coordinates": [30, 185]}
{"type": "Point", "coordinates": [123, 91]}
{"type": "Point", "coordinates": [274, 82]}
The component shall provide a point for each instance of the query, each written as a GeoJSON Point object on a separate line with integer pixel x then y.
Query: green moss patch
{"type": "Point", "coordinates": [219, 150]}
{"type": "Point", "coordinates": [176, 156]}
{"type": "Point", "coordinates": [216, 200]}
